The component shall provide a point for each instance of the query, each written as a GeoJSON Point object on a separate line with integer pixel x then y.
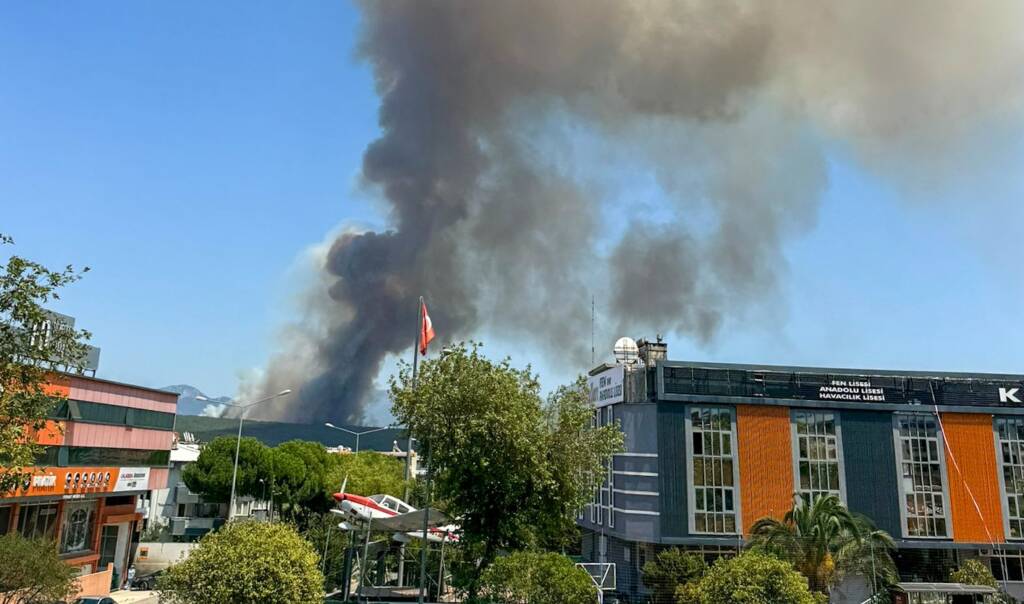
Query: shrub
{"type": "Point", "coordinates": [246, 562]}
{"type": "Point", "coordinates": [537, 578]}
{"type": "Point", "coordinates": [669, 570]}
{"type": "Point", "coordinates": [750, 578]}
{"type": "Point", "coordinates": [32, 571]}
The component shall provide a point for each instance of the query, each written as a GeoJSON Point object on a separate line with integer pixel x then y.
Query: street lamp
{"type": "Point", "coordinates": [238, 443]}
{"type": "Point", "coordinates": [354, 433]}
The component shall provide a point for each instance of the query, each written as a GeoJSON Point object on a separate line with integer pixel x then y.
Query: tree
{"type": "Point", "coordinates": [368, 473]}
{"type": "Point", "coordinates": [300, 471]}
{"type": "Point", "coordinates": [537, 578]}
{"type": "Point", "coordinates": [750, 578]}
{"type": "Point", "coordinates": [513, 470]}
{"type": "Point", "coordinates": [32, 347]}
{"type": "Point", "coordinates": [825, 542]}
{"type": "Point", "coordinates": [669, 570]}
{"type": "Point", "coordinates": [32, 571]}
{"type": "Point", "coordinates": [246, 562]}
{"type": "Point", "coordinates": [974, 572]}
{"type": "Point", "coordinates": [210, 475]}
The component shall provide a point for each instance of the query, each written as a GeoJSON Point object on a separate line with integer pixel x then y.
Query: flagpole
{"type": "Point", "coordinates": [415, 359]}
{"type": "Point", "coordinates": [421, 592]}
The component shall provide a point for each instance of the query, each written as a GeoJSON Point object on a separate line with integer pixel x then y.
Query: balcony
{"type": "Point", "coordinates": [183, 495]}
{"type": "Point", "coordinates": [193, 527]}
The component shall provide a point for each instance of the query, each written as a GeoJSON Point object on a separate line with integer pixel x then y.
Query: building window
{"type": "Point", "coordinates": [712, 470]}
{"type": "Point", "coordinates": [817, 454]}
{"type": "Point", "coordinates": [919, 453]}
{"type": "Point", "coordinates": [1007, 565]}
{"type": "Point", "coordinates": [1011, 460]}
{"type": "Point", "coordinates": [609, 490]}
{"type": "Point", "coordinates": [5, 518]}
{"type": "Point", "coordinates": [37, 521]}
{"type": "Point", "coordinates": [77, 526]}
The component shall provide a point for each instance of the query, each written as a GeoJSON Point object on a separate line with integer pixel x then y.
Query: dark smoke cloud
{"type": "Point", "coordinates": [502, 221]}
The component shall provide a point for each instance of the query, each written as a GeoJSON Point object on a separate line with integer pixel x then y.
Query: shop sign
{"type": "Point", "coordinates": [606, 387]}
{"type": "Point", "coordinates": [132, 479]}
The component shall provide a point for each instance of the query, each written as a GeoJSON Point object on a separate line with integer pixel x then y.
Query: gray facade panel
{"type": "Point", "coordinates": [639, 423]}
{"type": "Point", "coordinates": [637, 528]}
{"type": "Point", "coordinates": [870, 463]}
{"type": "Point", "coordinates": [625, 463]}
{"type": "Point", "coordinates": [672, 469]}
{"type": "Point", "coordinates": [642, 503]}
{"type": "Point", "coordinates": [637, 483]}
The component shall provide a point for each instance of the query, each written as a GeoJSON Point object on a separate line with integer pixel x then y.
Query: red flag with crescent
{"type": "Point", "coordinates": [426, 329]}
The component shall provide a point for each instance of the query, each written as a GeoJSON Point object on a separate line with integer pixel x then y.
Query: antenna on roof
{"type": "Point", "coordinates": [591, 330]}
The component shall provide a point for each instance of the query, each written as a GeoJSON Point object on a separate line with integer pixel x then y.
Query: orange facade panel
{"type": "Point", "coordinates": [969, 437]}
{"type": "Point", "coordinates": [766, 462]}
{"type": "Point", "coordinates": [58, 386]}
{"type": "Point", "coordinates": [52, 434]}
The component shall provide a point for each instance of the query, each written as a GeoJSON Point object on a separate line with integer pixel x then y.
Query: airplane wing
{"type": "Point", "coordinates": [413, 521]}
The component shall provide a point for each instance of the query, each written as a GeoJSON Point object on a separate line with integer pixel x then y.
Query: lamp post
{"type": "Point", "coordinates": [238, 443]}
{"type": "Point", "coordinates": [354, 433]}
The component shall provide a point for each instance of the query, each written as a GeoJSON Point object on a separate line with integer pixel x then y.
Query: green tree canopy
{"type": "Point", "coordinates": [825, 542]}
{"type": "Point", "coordinates": [368, 473]}
{"type": "Point", "coordinates": [974, 572]}
{"type": "Point", "coordinates": [300, 472]}
{"type": "Point", "coordinates": [750, 578]}
{"type": "Point", "coordinates": [669, 570]}
{"type": "Point", "coordinates": [512, 469]}
{"type": "Point", "coordinates": [246, 562]}
{"type": "Point", "coordinates": [537, 578]}
{"type": "Point", "coordinates": [32, 571]}
{"type": "Point", "coordinates": [210, 475]}
{"type": "Point", "coordinates": [29, 354]}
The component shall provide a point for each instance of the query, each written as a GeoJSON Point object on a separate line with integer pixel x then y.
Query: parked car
{"type": "Point", "coordinates": [95, 600]}
{"type": "Point", "coordinates": [146, 583]}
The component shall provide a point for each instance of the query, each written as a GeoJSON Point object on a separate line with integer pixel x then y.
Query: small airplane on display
{"type": "Point", "coordinates": [390, 513]}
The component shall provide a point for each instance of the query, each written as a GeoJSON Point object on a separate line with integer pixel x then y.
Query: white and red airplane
{"type": "Point", "coordinates": [391, 513]}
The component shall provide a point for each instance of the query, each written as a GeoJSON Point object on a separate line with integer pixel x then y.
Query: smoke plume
{"type": "Point", "coordinates": [656, 154]}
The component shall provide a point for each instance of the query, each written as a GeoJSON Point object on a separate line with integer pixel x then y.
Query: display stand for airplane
{"type": "Point", "coordinates": [384, 513]}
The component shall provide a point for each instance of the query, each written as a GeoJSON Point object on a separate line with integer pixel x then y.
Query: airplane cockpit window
{"type": "Point", "coordinates": [377, 498]}
{"type": "Point", "coordinates": [403, 509]}
{"type": "Point", "coordinates": [390, 503]}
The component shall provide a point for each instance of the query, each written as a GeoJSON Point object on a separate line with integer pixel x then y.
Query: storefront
{"type": "Point", "coordinates": [89, 512]}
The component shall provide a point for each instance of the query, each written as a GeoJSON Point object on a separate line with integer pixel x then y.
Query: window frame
{"type": "Point", "coordinates": [90, 508]}
{"type": "Point", "coordinates": [609, 486]}
{"type": "Point", "coordinates": [735, 458]}
{"type": "Point", "coordinates": [943, 474]}
{"type": "Point", "coordinates": [51, 530]}
{"type": "Point", "coordinates": [1003, 503]}
{"type": "Point", "coordinates": [795, 442]}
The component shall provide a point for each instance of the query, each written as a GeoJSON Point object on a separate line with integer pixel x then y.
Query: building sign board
{"type": "Point", "coordinates": [132, 479]}
{"type": "Point", "coordinates": [606, 387]}
{"type": "Point", "coordinates": [81, 481]}
{"type": "Point", "coordinates": [914, 389]}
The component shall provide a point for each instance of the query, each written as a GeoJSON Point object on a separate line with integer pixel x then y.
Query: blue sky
{"type": "Point", "coordinates": [190, 152]}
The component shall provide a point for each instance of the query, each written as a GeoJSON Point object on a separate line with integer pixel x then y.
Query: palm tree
{"type": "Point", "coordinates": [825, 541]}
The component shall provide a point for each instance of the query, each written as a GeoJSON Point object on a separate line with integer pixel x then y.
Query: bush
{"type": "Point", "coordinates": [669, 570]}
{"type": "Point", "coordinates": [246, 562]}
{"type": "Point", "coordinates": [750, 578]}
{"type": "Point", "coordinates": [537, 578]}
{"type": "Point", "coordinates": [974, 572]}
{"type": "Point", "coordinates": [32, 571]}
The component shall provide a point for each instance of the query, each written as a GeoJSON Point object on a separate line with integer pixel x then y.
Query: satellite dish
{"type": "Point", "coordinates": [626, 351]}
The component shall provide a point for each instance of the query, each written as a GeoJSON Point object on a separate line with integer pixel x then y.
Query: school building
{"type": "Point", "coordinates": [935, 459]}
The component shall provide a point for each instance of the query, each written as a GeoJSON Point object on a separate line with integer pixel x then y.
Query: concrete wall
{"type": "Point", "coordinates": [153, 556]}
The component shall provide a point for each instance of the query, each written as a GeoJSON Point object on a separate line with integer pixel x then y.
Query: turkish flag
{"type": "Point", "coordinates": [426, 329]}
